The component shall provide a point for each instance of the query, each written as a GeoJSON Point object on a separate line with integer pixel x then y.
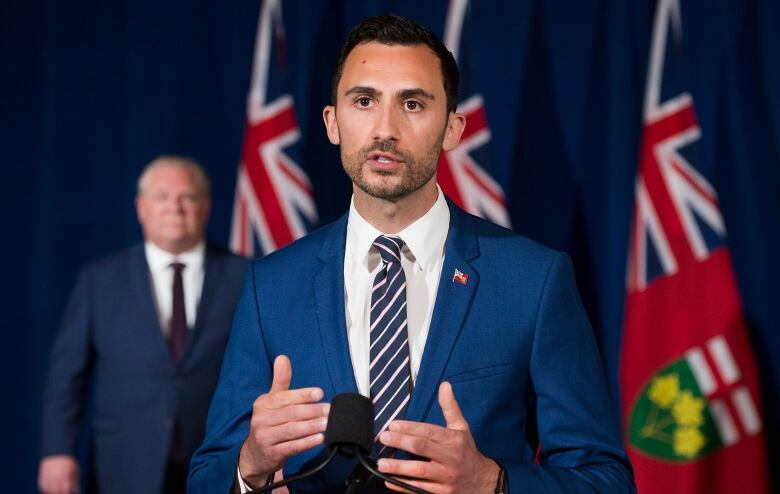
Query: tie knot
{"type": "Point", "coordinates": [177, 266]}
{"type": "Point", "coordinates": [389, 248]}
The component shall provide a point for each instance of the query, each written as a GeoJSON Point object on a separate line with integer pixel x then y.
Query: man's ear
{"type": "Point", "coordinates": [138, 207]}
{"type": "Point", "coordinates": [206, 211]}
{"type": "Point", "coordinates": [331, 126]}
{"type": "Point", "coordinates": [456, 123]}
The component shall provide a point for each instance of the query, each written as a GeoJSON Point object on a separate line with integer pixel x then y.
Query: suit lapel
{"type": "Point", "coordinates": [140, 285]}
{"type": "Point", "coordinates": [329, 300]}
{"type": "Point", "coordinates": [453, 301]}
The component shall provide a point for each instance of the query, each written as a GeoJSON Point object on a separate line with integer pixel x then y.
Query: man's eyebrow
{"type": "Point", "coordinates": [362, 90]}
{"type": "Point", "coordinates": [415, 93]}
{"type": "Point", "coordinates": [403, 93]}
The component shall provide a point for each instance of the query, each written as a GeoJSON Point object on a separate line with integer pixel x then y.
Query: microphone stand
{"type": "Point", "coordinates": [300, 476]}
{"type": "Point", "coordinates": [355, 483]}
{"type": "Point", "coordinates": [368, 466]}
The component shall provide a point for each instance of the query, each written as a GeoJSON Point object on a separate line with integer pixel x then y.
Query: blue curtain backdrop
{"type": "Point", "coordinates": [90, 91]}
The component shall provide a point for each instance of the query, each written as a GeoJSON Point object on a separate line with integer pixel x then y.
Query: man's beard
{"type": "Point", "coordinates": [414, 172]}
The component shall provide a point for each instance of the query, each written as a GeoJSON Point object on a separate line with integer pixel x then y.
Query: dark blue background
{"type": "Point", "coordinates": [90, 91]}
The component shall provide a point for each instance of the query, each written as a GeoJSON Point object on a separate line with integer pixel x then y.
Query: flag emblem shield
{"type": "Point", "coordinates": [671, 419]}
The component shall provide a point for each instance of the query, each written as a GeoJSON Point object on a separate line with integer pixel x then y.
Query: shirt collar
{"type": "Point", "coordinates": [424, 239]}
{"type": "Point", "coordinates": [160, 259]}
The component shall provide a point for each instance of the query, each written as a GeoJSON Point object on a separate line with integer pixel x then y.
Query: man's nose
{"type": "Point", "coordinates": [175, 203]}
{"type": "Point", "coordinates": [387, 124]}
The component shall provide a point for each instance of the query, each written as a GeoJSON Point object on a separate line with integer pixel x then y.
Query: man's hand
{"type": "Point", "coordinates": [456, 464]}
{"type": "Point", "coordinates": [58, 474]}
{"type": "Point", "coordinates": [284, 423]}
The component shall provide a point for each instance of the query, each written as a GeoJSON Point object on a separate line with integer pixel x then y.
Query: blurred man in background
{"type": "Point", "coordinates": [147, 327]}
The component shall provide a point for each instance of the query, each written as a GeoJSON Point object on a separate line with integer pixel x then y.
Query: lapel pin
{"type": "Point", "coordinates": [460, 277]}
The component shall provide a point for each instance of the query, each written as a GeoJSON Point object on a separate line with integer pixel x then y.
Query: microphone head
{"type": "Point", "coordinates": [350, 423]}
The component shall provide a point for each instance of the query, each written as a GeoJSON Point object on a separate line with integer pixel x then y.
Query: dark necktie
{"type": "Point", "coordinates": [177, 335]}
{"type": "Point", "coordinates": [389, 369]}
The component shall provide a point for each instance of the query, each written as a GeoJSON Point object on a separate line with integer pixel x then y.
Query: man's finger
{"type": "Point", "coordinates": [420, 484]}
{"type": "Point", "coordinates": [291, 448]}
{"type": "Point", "coordinates": [283, 399]}
{"type": "Point", "coordinates": [294, 413]}
{"type": "Point", "coordinates": [421, 429]}
{"type": "Point", "coordinates": [417, 445]}
{"type": "Point", "coordinates": [292, 431]}
{"type": "Point", "coordinates": [413, 469]}
{"type": "Point", "coordinates": [282, 374]}
{"type": "Point", "coordinates": [450, 408]}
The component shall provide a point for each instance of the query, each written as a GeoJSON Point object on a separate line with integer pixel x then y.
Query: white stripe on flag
{"type": "Point", "coordinates": [701, 371]}
{"type": "Point", "coordinates": [746, 410]}
{"type": "Point", "coordinates": [724, 360]}
{"type": "Point", "coordinates": [725, 424]}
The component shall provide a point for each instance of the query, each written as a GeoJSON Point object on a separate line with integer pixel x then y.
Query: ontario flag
{"type": "Point", "coordinates": [462, 172]}
{"type": "Point", "coordinates": [689, 383]}
{"type": "Point", "coordinates": [274, 203]}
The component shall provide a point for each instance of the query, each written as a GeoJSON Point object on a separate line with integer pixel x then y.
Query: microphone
{"type": "Point", "coordinates": [350, 424]}
{"type": "Point", "coordinates": [350, 432]}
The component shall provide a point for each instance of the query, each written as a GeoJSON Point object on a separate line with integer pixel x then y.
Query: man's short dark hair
{"type": "Point", "coordinates": [391, 30]}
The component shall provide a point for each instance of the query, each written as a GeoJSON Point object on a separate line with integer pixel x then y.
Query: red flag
{"type": "Point", "coordinates": [274, 203]}
{"type": "Point", "coordinates": [689, 382]}
{"type": "Point", "coordinates": [460, 175]}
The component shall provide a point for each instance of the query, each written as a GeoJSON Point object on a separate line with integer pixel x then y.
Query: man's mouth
{"type": "Point", "coordinates": [383, 156]}
{"type": "Point", "coordinates": [384, 160]}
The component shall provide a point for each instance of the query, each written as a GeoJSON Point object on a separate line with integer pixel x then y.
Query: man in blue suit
{"type": "Point", "coordinates": [146, 328]}
{"type": "Point", "coordinates": [470, 340]}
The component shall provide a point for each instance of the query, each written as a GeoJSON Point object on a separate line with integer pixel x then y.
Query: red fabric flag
{"type": "Point", "coordinates": [463, 172]}
{"type": "Point", "coordinates": [274, 202]}
{"type": "Point", "coordinates": [689, 383]}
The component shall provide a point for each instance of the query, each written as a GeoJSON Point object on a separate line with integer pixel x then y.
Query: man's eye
{"type": "Point", "coordinates": [412, 105]}
{"type": "Point", "coordinates": [364, 101]}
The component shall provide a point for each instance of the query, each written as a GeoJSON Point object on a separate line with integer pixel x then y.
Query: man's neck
{"type": "Point", "coordinates": [174, 248]}
{"type": "Point", "coordinates": [392, 216]}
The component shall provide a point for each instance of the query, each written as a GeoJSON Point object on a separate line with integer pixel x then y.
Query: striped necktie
{"type": "Point", "coordinates": [389, 370]}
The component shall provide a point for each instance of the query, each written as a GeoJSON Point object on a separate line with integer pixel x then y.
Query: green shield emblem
{"type": "Point", "coordinates": [671, 419]}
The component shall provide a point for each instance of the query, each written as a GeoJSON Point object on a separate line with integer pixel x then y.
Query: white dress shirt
{"type": "Point", "coordinates": [422, 258]}
{"type": "Point", "coordinates": [159, 262]}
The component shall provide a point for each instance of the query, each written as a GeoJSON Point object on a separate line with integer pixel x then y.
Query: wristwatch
{"type": "Point", "coordinates": [502, 486]}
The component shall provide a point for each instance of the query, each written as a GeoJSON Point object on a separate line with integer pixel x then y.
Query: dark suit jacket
{"type": "Point", "coordinates": [111, 335]}
{"type": "Point", "coordinates": [514, 341]}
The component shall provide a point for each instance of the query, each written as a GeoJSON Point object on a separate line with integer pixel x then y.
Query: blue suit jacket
{"type": "Point", "coordinates": [514, 342]}
{"type": "Point", "coordinates": [110, 334]}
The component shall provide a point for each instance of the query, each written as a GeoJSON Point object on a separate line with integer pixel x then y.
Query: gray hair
{"type": "Point", "coordinates": [196, 170]}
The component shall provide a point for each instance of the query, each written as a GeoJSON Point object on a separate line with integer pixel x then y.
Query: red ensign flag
{"type": "Point", "coordinates": [689, 384]}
